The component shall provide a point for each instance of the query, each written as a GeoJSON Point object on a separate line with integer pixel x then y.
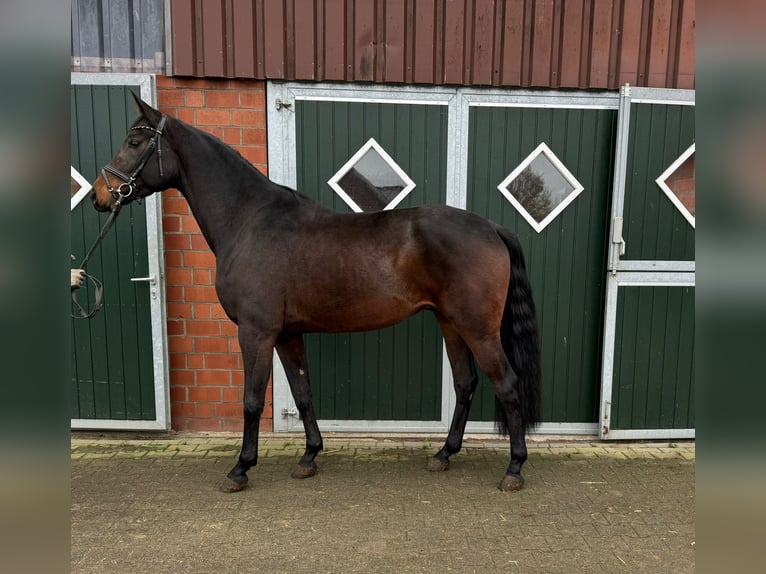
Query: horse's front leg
{"type": "Point", "coordinates": [292, 353]}
{"type": "Point", "coordinates": [257, 352]}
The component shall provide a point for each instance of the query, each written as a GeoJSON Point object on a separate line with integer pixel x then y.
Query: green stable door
{"type": "Point", "coordinates": [117, 357]}
{"type": "Point", "coordinates": [367, 156]}
{"type": "Point", "coordinates": [545, 173]}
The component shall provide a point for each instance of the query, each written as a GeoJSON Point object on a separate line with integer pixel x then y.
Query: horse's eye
{"type": "Point", "coordinates": [133, 142]}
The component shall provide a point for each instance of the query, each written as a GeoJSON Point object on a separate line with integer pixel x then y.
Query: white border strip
{"type": "Point", "coordinates": [577, 187]}
{"type": "Point", "coordinates": [85, 186]}
{"type": "Point", "coordinates": [650, 434]}
{"type": "Point", "coordinates": [409, 185]}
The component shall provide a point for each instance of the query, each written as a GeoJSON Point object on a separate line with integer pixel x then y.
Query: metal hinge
{"type": "Point", "coordinates": [617, 240]}
{"type": "Point", "coordinates": [293, 412]}
{"type": "Point", "coordinates": [281, 104]}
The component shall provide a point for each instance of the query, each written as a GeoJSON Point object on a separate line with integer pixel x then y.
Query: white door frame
{"type": "Point", "coordinates": [158, 308]}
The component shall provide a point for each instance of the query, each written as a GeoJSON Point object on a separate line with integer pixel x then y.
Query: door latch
{"type": "Point", "coordinates": [618, 241]}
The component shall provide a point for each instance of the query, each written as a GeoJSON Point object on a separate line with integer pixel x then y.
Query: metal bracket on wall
{"type": "Point", "coordinates": [279, 104]}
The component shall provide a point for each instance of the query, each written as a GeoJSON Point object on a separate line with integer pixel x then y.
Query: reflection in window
{"type": "Point", "coordinates": [678, 184]}
{"type": "Point", "coordinates": [540, 187]}
{"type": "Point", "coordinates": [371, 180]}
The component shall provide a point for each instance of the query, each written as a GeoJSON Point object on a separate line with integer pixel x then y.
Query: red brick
{"type": "Point", "coordinates": [232, 136]}
{"type": "Point", "coordinates": [176, 327]}
{"type": "Point", "coordinates": [228, 329]}
{"type": "Point", "coordinates": [182, 378]}
{"type": "Point", "coordinates": [194, 98]}
{"type": "Point", "coordinates": [204, 259]}
{"type": "Point", "coordinates": [204, 394]}
{"type": "Point", "coordinates": [177, 360]}
{"type": "Point", "coordinates": [204, 425]}
{"type": "Point", "coordinates": [214, 378]}
{"type": "Point", "coordinates": [198, 328]}
{"type": "Point", "coordinates": [172, 98]}
{"type": "Point", "coordinates": [174, 294]}
{"type": "Point", "coordinates": [177, 393]}
{"type": "Point", "coordinates": [222, 99]}
{"type": "Point", "coordinates": [232, 395]}
{"type": "Point", "coordinates": [234, 345]}
{"type": "Point", "coordinates": [252, 99]}
{"type": "Point", "coordinates": [213, 131]}
{"type": "Point", "coordinates": [165, 82]}
{"type": "Point", "coordinates": [187, 115]}
{"type": "Point", "coordinates": [176, 205]}
{"type": "Point", "coordinates": [255, 155]}
{"type": "Point", "coordinates": [233, 425]}
{"type": "Point", "coordinates": [238, 378]}
{"type": "Point", "coordinates": [221, 361]}
{"type": "Point", "coordinates": [253, 136]}
{"type": "Point", "coordinates": [179, 311]}
{"type": "Point", "coordinates": [202, 277]}
{"type": "Point", "coordinates": [199, 243]}
{"type": "Point", "coordinates": [177, 241]}
{"type": "Point", "coordinates": [206, 117]}
{"type": "Point", "coordinates": [194, 361]}
{"type": "Point", "coordinates": [178, 276]}
{"type": "Point", "coordinates": [180, 344]}
{"type": "Point", "coordinates": [217, 312]}
{"type": "Point", "coordinates": [202, 311]}
{"type": "Point", "coordinates": [171, 223]}
{"type": "Point", "coordinates": [203, 410]}
{"type": "Point", "coordinates": [211, 345]}
{"type": "Point", "coordinates": [189, 224]}
{"type": "Point", "coordinates": [195, 294]}
{"type": "Point", "coordinates": [248, 118]}
{"type": "Point", "coordinates": [182, 410]}
{"type": "Point", "coordinates": [173, 259]}
{"type": "Point", "coordinates": [267, 425]}
{"type": "Point", "coordinates": [226, 411]}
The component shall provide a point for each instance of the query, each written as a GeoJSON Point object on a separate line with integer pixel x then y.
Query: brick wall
{"type": "Point", "coordinates": [206, 375]}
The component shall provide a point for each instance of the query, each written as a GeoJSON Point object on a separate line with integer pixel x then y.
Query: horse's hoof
{"type": "Point", "coordinates": [511, 482]}
{"type": "Point", "coordinates": [304, 471]}
{"type": "Point", "coordinates": [437, 465]}
{"type": "Point", "coordinates": [229, 485]}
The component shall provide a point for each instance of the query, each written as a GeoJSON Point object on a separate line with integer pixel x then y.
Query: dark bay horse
{"type": "Point", "coordinates": [286, 265]}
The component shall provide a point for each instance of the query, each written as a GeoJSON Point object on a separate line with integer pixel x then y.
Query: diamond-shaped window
{"type": "Point", "coordinates": [540, 187]}
{"type": "Point", "coordinates": [678, 184]}
{"type": "Point", "coordinates": [371, 180]}
{"type": "Point", "coordinates": [79, 188]}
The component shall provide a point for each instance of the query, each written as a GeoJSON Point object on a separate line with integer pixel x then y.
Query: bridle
{"type": "Point", "coordinates": [122, 192]}
{"type": "Point", "coordinates": [128, 185]}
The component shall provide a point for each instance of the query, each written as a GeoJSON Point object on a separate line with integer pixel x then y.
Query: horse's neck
{"type": "Point", "coordinates": [221, 187]}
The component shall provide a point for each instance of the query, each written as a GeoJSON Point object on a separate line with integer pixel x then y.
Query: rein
{"type": "Point", "coordinates": [121, 195]}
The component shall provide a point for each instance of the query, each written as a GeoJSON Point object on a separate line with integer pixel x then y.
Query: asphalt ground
{"type": "Point", "coordinates": [152, 505]}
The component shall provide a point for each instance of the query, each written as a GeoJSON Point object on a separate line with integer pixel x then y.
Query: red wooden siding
{"type": "Point", "coordinates": [529, 43]}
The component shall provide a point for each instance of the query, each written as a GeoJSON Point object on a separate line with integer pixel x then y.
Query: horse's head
{"type": "Point", "coordinates": [144, 164]}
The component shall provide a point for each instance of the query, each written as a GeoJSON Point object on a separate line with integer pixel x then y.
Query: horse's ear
{"type": "Point", "coordinates": [146, 110]}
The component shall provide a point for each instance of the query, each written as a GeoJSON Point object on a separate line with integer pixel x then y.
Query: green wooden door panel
{"type": "Point", "coordinates": [112, 356]}
{"type": "Point", "coordinates": [653, 385]}
{"type": "Point", "coordinates": [394, 373]}
{"type": "Point", "coordinates": [566, 261]}
{"type": "Point", "coordinates": [654, 229]}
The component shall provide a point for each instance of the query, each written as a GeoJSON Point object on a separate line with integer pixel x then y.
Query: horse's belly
{"type": "Point", "coordinates": [345, 316]}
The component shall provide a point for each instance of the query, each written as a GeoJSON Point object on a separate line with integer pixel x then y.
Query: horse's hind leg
{"type": "Point", "coordinates": [257, 352]}
{"type": "Point", "coordinates": [494, 363]}
{"type": "Point", "coordinates": [292, 352]}
{"type": "Point", "coordinates": [465, 380]}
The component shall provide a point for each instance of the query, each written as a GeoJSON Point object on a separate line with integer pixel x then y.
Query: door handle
{"type": "Point", "coordinates": [150, 279]}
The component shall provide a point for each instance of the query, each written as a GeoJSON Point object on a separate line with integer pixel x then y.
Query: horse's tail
{"type": "Point", "coordinates": [518, 333]}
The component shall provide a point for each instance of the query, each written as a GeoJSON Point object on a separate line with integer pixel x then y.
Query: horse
{"type": "Point", "coordinates": [286, 265]}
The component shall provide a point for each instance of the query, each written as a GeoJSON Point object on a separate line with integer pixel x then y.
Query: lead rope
{"type": "Point", "coordinates": [97, 285]}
